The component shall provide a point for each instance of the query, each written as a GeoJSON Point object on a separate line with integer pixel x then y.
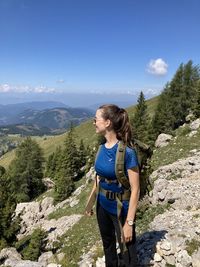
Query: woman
{"type": "Point", "coordinates": [113, 123]}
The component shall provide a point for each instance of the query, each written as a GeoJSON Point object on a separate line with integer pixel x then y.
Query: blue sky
{"type": "Point", "coordinates": [95, 45]}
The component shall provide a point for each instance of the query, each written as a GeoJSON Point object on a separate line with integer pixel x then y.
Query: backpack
{"type": "Point", "coordinates": [144, 153]}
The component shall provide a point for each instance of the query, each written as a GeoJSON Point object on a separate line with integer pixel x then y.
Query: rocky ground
{"type": "Point", "coordinates": [175, 234]}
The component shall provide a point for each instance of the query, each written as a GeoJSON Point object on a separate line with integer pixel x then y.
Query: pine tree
{"type": "Point", "coordinates": [26, 171]}
{"type": "Point", "coordinates": [53, 163]}
{"type": "Point", "coordinates": [82, 154]}
{"type": "Point", "coordinates": [33, 245]}
{"type": "Point", "coordinates": [196, 105]}
{"type": "Point", "coordinates": [140, 121]}
{"type": "Point", "coordinates": [177, 99]}
{"type": "Point", "coordinates": [8, 226]}
{"type": "Point", "coordinates": [69, 168]}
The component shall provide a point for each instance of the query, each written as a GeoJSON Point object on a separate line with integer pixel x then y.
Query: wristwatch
{"type": "Point", "coordinates": [130, 222]}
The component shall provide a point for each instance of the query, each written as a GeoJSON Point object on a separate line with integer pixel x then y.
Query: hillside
{"type": "Point", "coordinates": [164, 219]}
{"type": "Point", "coordinates": [83, 131]}
{"type": "Point", "coordinates": [9, 112]}
{"type": "Point", "coordinates": [40, 118]}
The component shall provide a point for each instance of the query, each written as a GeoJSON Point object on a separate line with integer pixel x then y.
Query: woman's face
{"type": "Point", "coordinates": [100, 123]}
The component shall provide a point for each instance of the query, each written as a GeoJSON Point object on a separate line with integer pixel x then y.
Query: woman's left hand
{"type": "Point", "coordinates": [128, 232]}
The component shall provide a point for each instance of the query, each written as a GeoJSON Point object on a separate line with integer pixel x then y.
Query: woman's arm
{"type": "Point", "coordinates": [133, 175]}
{"type": "Point", "coordinates": [92, 198]}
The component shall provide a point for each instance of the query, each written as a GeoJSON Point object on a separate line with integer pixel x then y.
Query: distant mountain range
{"type": "Point", "coordinates": [36, 118]}
{"type": "Point", "coordinates": [86, 99]}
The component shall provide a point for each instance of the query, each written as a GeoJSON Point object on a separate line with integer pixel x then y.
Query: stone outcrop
{"type": "Point", "coordinates": [179, 169]}
{"type": "Point", "coordinates": [12, 258]}
{"type": "Point", "coordinates": [35, 215]}
{"type": "Point", "coordinates": [163, 140]}
{"type": "Point", "coordinates": [195, 124]}
{"type": "Point", "coordinates": [174, 233]}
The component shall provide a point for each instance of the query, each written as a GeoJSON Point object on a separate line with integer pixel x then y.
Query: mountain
{"type": "Point", "coordinates": [82, 99]}
{"type": "Point", "coordinates": [10, 111]}
{"type": "Point", "coordinates": [56, 118]}
{"type": "Point", "coordinates": [40, 117]}
{"type": "Point", "coordinates": [48, 121]}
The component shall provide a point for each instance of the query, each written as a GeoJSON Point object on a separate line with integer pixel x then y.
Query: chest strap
{"type": "Point", "coordinates": [114, 195]}
{"type": "Point", "coordinates": [108, 181]}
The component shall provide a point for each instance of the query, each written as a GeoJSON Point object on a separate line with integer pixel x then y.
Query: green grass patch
{"type": "Point", "coordinates": [146, 214]}
{"type": "Point", "coordinates": [78, 240]}
{"type": "Point", "coordinates": [48, 193]}
{"type": "Point", "coordinates": [183, 130]}
{"type": "Point", "coordinates": [192, 246]}
{"type": "Point", "coordinates": [196, 216]}
{"type": "Point", "coordinates": [176, 149]}
{"type": "Point", "coordinates": [77, 209]}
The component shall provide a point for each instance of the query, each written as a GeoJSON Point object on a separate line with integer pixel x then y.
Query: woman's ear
{"type": "Point", "coordinates": [108, 123]}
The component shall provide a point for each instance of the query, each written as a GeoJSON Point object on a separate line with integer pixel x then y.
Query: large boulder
{"type": "Point", "coordinates": [163, 140]}
{"type": "Point", "coordinates": [195, 125]}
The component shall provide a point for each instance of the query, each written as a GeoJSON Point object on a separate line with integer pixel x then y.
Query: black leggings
{"type": "Point", "coordinates": [109, 228]}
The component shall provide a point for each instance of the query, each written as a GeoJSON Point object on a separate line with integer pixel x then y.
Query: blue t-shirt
{"type": "Point", "coordinates": [105, 166]}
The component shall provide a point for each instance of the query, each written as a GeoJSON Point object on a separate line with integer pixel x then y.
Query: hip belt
{"type": "Point", "coordinates": [115, 195]}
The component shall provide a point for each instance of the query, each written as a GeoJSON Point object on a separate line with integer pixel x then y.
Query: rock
{"type": "Point", "coordinates": [163, 140]}
{"type": "Point", "coordinates": [195, 124]}
{"type": "Point", "coordinates": [100, 262]}
{"type": "Point", "coordinates": [46, 258]}
{"type": "Point", "coordinates": [49, 184]}
{"type": "Point", "coordinates": [10, 253]}
{"type": "Point", "coordinates": [170, 259]}
{"type": "Point", "coordinates": [84, 264]}
{"type": "Point", "coordinates": [184, 259]}
{"type": "Point", "coordinates": [192, 133]}
{"type": "Point", "coordinates": [162, 195]}
{"type": "Point", "coordinates": [25, 263]}
{"type": "Point", "coordinates": [74, 203]}
{"type": "Point", "coordinates": [190, 117]}
{"type": "Point", "coordinates": [90, 176]}
{"type": "Point", "coordinates": [157, 257]}
{"type": "Point", "coordinates": [60, 256]}
{"type": "Point", "coordinates": [196, 259]}
{"type": "Point", "coordinates": [165, 245]}
{"type": "Point", "coordinates": [78, 190]}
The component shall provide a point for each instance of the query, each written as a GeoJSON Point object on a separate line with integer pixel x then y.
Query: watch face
{"type": "Point", "coordinates": [130, 222]}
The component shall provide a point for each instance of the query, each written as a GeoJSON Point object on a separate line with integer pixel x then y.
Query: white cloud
{"type": "Point", "coordinates": [157, 67]}
{"type": "Point", "coordinates": [6, 88]}
{"type": "Point", "coordinates": [60, 81]}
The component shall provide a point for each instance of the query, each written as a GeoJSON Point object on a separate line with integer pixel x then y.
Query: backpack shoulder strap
{"type": "Point", "coordinates": [97, 154]}
{"type": "Point", "coordinates": [119, 165]}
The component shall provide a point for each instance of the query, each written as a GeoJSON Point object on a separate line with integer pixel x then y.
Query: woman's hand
{"type": "Point", "coordinates": [89, 213]}
{"type": "Point", "coordinates": [128, 232]}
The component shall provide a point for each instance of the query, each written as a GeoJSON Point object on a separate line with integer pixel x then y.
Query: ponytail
{"type": "Point", "coordinates": [119, 122]}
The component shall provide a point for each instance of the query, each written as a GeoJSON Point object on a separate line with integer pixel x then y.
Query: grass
{"type": "Point", "coordinates": [77, 209]}
{"type": "Point", "coordinates": [146, 214]}
{"type": "Point", "coordinates": [78, 240]}
{"type": "Point", "coordinates": [176, 149]}
{"type": "Point", "coordinates": [192, 246]}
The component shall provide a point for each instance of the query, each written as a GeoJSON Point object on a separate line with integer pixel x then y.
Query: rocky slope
{"type": "Point", "coordinates": [172, 239]}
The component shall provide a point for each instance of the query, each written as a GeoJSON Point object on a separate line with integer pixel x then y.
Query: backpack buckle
{"type": "Point", "coordinates": [110, 195]}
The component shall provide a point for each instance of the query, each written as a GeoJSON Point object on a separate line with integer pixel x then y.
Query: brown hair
{"type": "Point", "coordinates": [119, 121]}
